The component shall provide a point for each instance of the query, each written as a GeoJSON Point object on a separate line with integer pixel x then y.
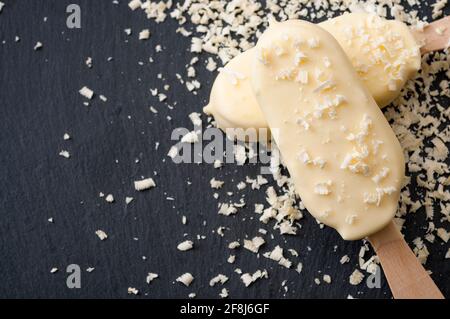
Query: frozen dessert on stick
{"type": "Point", "coordinates": [343, 157]}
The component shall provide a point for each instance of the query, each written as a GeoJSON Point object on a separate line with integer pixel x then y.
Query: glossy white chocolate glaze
{"type": "Point", "coordinates": [343, 157]}
{"type": "Point", "coordinates": [232, 102]}
{"type": "Point", "coordinates": [383, 52]}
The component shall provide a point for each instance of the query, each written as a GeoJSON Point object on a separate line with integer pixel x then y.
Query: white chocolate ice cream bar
{"type": "Point", "coordinates": [343, 157]}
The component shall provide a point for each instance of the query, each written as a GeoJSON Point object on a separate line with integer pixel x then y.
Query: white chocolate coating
{"type": "Point", "coordinates": [383, 52]}
{"type": "Point", "coordinates": [232, 102]}
{"type": "Point", "coordinates": [345, 161]}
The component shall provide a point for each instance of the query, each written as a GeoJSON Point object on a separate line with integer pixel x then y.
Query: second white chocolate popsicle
{"type": "Point", "coordinates": [383, 52]}
{"type": "Point", "coordinates": [343, 157]}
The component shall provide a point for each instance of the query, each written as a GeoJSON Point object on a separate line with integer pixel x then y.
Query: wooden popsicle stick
{"type": "Point", "coordinates": [430, 38]}
{"type": "Point", "coordinates": [405, 274]}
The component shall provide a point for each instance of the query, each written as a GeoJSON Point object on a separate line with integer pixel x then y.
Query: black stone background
{"type": "Point", "coordinates": [39, 102]}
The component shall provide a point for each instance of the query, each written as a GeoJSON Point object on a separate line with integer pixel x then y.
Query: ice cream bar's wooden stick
{"type": "Point", "coordinates": [435, 36]}
{"type": "Point", "coordinates": [406, 276]}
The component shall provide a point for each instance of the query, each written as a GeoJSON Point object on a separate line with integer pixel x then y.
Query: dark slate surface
{"type": "Point", "coordinates": [39, 102]}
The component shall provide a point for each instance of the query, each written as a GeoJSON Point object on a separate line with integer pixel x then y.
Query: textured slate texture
{"type": "Point", "coordinates": [39, 102]}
